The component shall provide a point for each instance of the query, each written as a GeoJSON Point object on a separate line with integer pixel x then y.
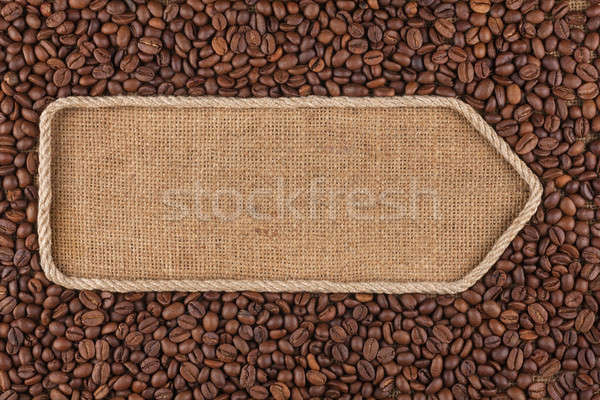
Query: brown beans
{"type": "Point", "coordinates": [189, 371]}
{"type": "Point", "coordinates": [480, 6]}
{"type": "Point", "coordinates": [287, 62]}
{"type": "Point", "coordinates": [173, 311]}
{"type": "Point", "coordinates": [299, 337]}
{"type": "Point", "coordinates": [279, 391]}
{"type": "Point", "coordinates": [62, 77]}
{"type": "Point", "coordinates": [92, 318]}
{"type": "Point", "coordinates": [526, 329]}
{"type": "Point", "coordinates": [538, 313]}
{"type": "Point", "coordinates": [585, 320]}
{"type": "Point", "coordinates": [444, 27]}
{"type": "Point", "coordinates": [219, 45]}
{"type": "Point", "coordinates": [414, 39]}
{"type": "Point", "coordinates": [226, 353]}
{"type": "Point", "coordinates": [526, 143]}
{"type": "Point", "coordinates": [370, 349]}
{"type": "Point", "coordinates": [149, 45]}
{"type": "Point", "coordinates": [316, 378]}
{"type": "Point", "coordinates": [365, 370]}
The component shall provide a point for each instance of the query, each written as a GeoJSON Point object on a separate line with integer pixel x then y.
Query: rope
{"type": "Point", "coordinates": [45, 196]}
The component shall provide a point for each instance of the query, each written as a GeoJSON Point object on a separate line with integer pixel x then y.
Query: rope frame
{"type": "Point", "coordinates": [119, 285]}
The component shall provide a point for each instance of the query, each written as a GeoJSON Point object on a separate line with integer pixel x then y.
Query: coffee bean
{"type": "Point", "coordinates": [226, 353]}
{"type": "Point", "coordinates": [173, 311]}
{"type": "Point", "coordinates": [538, 313]}
{"type": "Point", "coordinates": [466, 72]}
{"type": "Point", "coordinates": [210, 322]}
{"type": "Point", "coordinates": [279, 391]}
{"type": "Point", "coordinates": [189, 371]}
{"type": "Point", "coordinates": [370, 349]}
{"type": "Point", "coordinates": [299, 337]}
{"type": "Point", "coordinates": [55, 19]}
{"type": "Point", "coordinates": [258, 392]}
{"type": "Point", "coordinates": [442, 333]}
{"type": "Point", "coordinates": [550, 368]}
{"type": "Point", "coordinates": [7, 305]}
{"type": "Point", "coordinates": [149, 45]}
{"type": "Point", "coordinates": [102, 350]}
{"type": "Point", "coordinates": [150, 365]}
{"type": "Point", "coordinates": [491, 308]}
{"type": "Point", "coordinates": [373, 57]}
{"type": "Point", "coordinates": [100, 373]}
{"type": "Point", "coordinates": [444, 27]}
{"type": "Point", "coordinates": [529, 72]}
{"type": "Point", "coordinates": [87, 349]}
{"type": "Point", "coordinates": [585, 320]}
{"type": "Point", "coordinates": [219, 45]}
{"type": "Point", "coordinates": [129, 63]}
{"type": "Point", "coordinates": [62, 77]}
{"type": "Point", "coordinates": [247, 376]}
{"type": "Point", "coordinates": [337, 334]}
{"type": "Point", "coordinates": [365, 370]}
{"type": "Point", "coordinates": [537, 390]}
{"type": "Point", "coordinates": [480, 6]}
{"type": "Point", "coordinates": [386, 355]}
{"type": "Point", "coordinates": [219, 22]}
{"type": "Point", "coordinates": [414, 39]}
{"type": "Point", "coordinates": [287, 62]}
{"type": "Point", "coordinates": [92, 318]}
{"type": "Point", "coordinates": [316, 378]}
{"type": "Point", "coordinates": [11, 11]}
{"type": "Point", "coordinates": [586, 72]}
{"type": "Point", "coordinates": [526, 144]}
{"type": "Point", "coordinates": [90, 300]}
{"type": "Point", "coordinates": [515, 359]}
{"type": "Point", "coordinates": [588, 91]}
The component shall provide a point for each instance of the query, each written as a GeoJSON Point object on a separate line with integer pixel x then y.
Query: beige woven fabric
{"type": "Point", "coordinates": [578, 5]}
{"type": "Point", "coordinates": [339, 194]}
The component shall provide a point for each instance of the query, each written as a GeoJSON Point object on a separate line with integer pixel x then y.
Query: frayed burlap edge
{"type": "Point", "coordinates": [45, 197]}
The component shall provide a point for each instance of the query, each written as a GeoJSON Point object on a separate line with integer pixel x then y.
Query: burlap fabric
{"type": "Point", "coordinates": [578, 5]}
{"type": "Point", "coordinates": [384, 195]}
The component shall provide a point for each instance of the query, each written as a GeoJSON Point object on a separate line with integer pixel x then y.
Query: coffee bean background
{"type": "Point", "coordinates": [528, 329]}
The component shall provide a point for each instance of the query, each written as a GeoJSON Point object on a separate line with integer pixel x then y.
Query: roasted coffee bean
{"type": "Point", "coordinates": [90, 300]}
{"type": "Point", "coordinates": [299, 337]}
{"type": "Point", "coordinates": [370, 349]}
{"type": "Point", "coordinates": [87, 349]}
{"type": "Point", "coordinates": [414, 39]}
{"type": "Point", "coordinates": [247, 376]}
{"type": "Point", "coordinates": [279, 391]}
{"type": "Point", "coordinates": [526, 143]}
{"type": "Point", "coordinates": [365, 370]}
{"type": "Point", "coordinates": [585, 320]}
{"type": "Point", "coordinates": [92, 318]}
{"type": "Point", "coordinates": [62, 77]}
{"type": "Point", "coordinates": [538, 313]}
{"type": "Point", "coordinates": [445, 27]}
{"type": "Point", "coordinates": [189, 371]}
{"type": "Point", "coordinates": [316, 378]}
{"type": "Point", "coordinates": [219, 45]}
{"type": "Point", "coordinates": [258, 392]}
{"type": "Point", "coordinates": [442, 333]}
{"type": "Point", "coordinates": [149, 45]}
{"type": "Point", "coordinates": [480, 6]}
{"type": "Point", "coordinates": [226, 353]}
{"type": "Point", "coordinates": [173, 311]}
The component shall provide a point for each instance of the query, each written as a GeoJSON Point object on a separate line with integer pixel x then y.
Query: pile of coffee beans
{"type": "Point", "coordinates": [528, 330]}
